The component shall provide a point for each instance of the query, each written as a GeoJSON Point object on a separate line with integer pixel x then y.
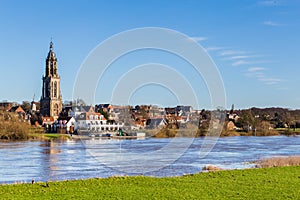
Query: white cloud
{"type": "Point", "coordinates": [199, 39]}
{"type": "Point", "coordinates": [241, 57]}
{"type": "Point", "coordinates": [266, 80]}
{"type": "Point", "coordinates": [271, 81]}
{"type": "Point", "coordinates": [271, 23]}
{"type": "Point", "coordinates": [256, 75]}
{"type": "Point", "coordinates": [231, 52]}
{"type": "Point", "coordinates": [259, 74]}
{"type": "Point", "coordinates": [244, 62]}
{"type": "Point", "coordinates": [256, 69]}
{"type": "Point", "coordinates": [240, 62]}
{"type": "Point", "coordinates": [214, 48]}
{"type": "Point", "coordinates": [256, 72]}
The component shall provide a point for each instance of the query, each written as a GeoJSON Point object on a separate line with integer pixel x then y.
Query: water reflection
{"type": "Point", "coordinates": [51, 147]}
{"type": "Point", "coordinates": [59, 160]}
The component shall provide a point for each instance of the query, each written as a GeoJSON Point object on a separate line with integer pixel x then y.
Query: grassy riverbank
{"type": "Point", "coordinates": [32, 136]}
{"type": "Point", "coordinates": [265, 183]}
{"type": "Point", "coordinates": [49, 136]}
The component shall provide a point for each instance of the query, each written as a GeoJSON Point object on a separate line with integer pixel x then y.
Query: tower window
{"type": "Point", "coordinates": [55, 89]}
{"type": "Point", "coordinates": [51, 68]}
{"type": "Point", "coordinates": [52, 89]}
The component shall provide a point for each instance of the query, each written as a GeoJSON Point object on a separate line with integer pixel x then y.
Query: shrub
{"type": "Point", "coordinates": [12, 127]}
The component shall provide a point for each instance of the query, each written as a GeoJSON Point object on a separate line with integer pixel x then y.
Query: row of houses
{"type": "Point", "coordinates": [118, 117]}
{"type": "Point", "coordinates": [107, 117]}
{"type": "Point", "coordinates": [150, 117]}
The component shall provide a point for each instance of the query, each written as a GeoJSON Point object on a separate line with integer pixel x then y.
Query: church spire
{"type": "Point", "coordinates": [51, 54]}
{"type": "Point", "coordinates": [51, 45]}
{"type": "Point", "coordinates": [51, 62]}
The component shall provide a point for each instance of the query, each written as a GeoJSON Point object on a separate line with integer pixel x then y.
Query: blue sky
{"type": "Point", "coordinates": [255, 45]}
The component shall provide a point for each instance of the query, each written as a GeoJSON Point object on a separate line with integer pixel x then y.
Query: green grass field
{"type": "Point", "coordinates": [266, 183]}
{"type": "Point", "coordinates": [48, 136]}
{"type": "Point", "coordinates": [55, 135]}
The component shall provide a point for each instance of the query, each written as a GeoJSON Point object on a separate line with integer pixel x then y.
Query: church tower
{"type": "Point", "coordinates": [51, 100]}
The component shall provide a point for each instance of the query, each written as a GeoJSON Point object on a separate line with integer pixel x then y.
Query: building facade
{"type": "Point", "coordinates": [95, 122]}
{"type": "Point", "coordinates": [51, 100]}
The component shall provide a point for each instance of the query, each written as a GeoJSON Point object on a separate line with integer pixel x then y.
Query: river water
{"type": "Point", "coordinates": [80, 159]}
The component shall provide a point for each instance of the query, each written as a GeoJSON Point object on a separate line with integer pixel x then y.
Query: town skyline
{"type": "Point", "coordinates": [256, 55]}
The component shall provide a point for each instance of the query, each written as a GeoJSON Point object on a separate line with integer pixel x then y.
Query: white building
{"type": "Point", "coordinates": [96, 122]}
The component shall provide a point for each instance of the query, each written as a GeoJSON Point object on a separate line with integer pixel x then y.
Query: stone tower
{"type": "Point", "coordinates": [51, 100]}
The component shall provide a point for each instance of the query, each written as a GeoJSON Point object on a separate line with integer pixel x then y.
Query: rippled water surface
{"type": "Point", "coordinates": [76, 159]}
